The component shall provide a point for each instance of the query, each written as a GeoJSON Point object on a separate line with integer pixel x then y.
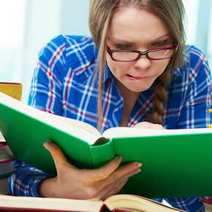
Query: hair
{"type": "Point", "coordinates": [170, 12]}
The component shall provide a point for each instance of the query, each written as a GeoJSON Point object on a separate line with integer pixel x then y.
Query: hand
{"type": "Point", "coordinates": [148, 125]}
{"type": "Point", "coordinates": [75, 183]}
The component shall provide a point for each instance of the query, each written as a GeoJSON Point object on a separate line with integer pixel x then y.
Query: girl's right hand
{"type": "Point", "coordinates": [75, 183]}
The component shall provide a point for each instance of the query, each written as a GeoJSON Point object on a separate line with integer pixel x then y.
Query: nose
{"type": "Point", "coordinates": [143, 63]}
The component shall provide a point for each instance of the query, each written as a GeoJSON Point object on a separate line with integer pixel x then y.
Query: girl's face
{"type": "Point", "coordinates": [137, 29]}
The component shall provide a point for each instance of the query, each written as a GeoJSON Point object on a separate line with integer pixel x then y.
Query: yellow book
{"type": "Point", "coordinates": [115, 203]}
{"type": "Point", "coordinates": [12, 89]}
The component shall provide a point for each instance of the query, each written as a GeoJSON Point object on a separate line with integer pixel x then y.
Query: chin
{"type": "Point", "coordinates": [139, 86]}
{"type": "Point", "coordinates": [139, 89]}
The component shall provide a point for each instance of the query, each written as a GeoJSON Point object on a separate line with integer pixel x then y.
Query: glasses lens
{"type": "Point", "coordinates": [153, 54]}
{"type": "Point", "coordinates": [125, 55]}
{"type": "Point", "coordinates": [160, 54]}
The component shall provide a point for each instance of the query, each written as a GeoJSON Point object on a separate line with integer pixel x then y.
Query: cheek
{"type": "Point", "coordinates": [160, 68]}
{"type": "Point", "coordinates": [117, 68]}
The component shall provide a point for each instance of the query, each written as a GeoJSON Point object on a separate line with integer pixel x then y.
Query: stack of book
{"type": "Point", "coordinates": [14, 90]}
{"type": "Point", "coordinates": [6, 167]}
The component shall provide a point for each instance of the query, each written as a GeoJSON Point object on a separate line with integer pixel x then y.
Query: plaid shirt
{"type": "Point", "coordinates": [65, 83]}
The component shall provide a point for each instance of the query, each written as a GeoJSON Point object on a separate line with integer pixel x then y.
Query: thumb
{"type": "Point", "coordinates": [106, 170]}
{"type": "Point", "coordinates": [57, 155]}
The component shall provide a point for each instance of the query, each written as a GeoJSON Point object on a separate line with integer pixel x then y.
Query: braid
{"type": "Point", "coordinates": [160, 98]}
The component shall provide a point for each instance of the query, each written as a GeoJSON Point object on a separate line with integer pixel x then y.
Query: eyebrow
{"type": "Point", "coordinates": [130, 44]}
{"type": "Point", "coordinates": [122, 43]}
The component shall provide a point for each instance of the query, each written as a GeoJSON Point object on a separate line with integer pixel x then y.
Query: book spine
{"type": "Point", "coordinates": [6, 166]}
{"type": "Point", "coordinates": [102, 153]}
{"type": "Point", "coordinates": [3, 186]}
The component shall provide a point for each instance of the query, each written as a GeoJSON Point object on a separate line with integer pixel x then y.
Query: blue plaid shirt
{"type": "Point", "coordinates": [65, 83]}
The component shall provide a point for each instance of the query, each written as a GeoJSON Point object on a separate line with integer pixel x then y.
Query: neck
{"type": "Point", "coordinates": [130, 99]}
{"type": "Point", "coordinates": [129, 96]}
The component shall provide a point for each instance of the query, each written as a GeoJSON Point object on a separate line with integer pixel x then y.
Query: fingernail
{"type": "Point", "coordinates": [118, 158]}
{"type": "Point", "coordinates": [138, 171]}
{"type": "Point", "coordinates": [46, 144]}
{"type": "Point", "coordinates": [137, 164]}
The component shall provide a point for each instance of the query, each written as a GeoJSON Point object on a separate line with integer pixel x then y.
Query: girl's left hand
{"type": "Point", "coordinates": [148, 125]}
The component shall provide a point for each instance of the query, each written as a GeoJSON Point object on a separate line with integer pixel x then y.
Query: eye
{"type": "Point", "coordinates": [123, 46]}
{"type": "Point", "coordinates": [162, 43]}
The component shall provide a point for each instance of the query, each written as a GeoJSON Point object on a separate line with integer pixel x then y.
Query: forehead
{"type": "Point", "coordinates": [136, 25]}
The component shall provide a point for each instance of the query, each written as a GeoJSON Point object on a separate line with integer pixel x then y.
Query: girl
{"type": "Point", "coordinates": [135, 68]}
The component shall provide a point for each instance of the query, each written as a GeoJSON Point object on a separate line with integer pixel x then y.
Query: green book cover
{"type": "Point", "coordinates": [175, 162]}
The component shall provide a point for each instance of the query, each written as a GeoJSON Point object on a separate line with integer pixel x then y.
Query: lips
{"type": "Point", "coordinates": [135, 77]}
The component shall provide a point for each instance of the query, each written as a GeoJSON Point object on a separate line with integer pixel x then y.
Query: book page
{"type": "Point", "coordinates": [123, 132]}
{"type": "Point", "coordinates": [55, 204]}
{"type": "Point", "coordinates": [136, 203]}
{"type": "Point", "coordinates": [2, 139]}
{"type": "Point", "coordinates": [78, 128]}
{"type": "Point", "coordinates": [77, 124]}
{"type": "Point", "coordinates": [82, 130]}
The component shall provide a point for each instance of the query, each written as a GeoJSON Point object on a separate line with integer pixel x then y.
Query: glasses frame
{"type": "Point", "coordinates": [142, 53]}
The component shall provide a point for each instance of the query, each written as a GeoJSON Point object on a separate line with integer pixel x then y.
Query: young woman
{"type": "Point", "coordinates": [135, 68]}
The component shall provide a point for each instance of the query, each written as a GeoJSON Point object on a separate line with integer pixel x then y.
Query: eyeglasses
{"type": "Point", "coordinates": [134, 55]}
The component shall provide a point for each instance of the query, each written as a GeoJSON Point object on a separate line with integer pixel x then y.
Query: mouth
{"type": "Point", "coordinates": [131, 77]}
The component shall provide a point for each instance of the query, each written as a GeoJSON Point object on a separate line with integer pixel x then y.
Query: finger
{"type": "Point", "coordinates": [148, 125]}
{"type": "Point", "coordinates": [116, 188]}
{"type": "Point", "coordinates": [57, 155]}
{"type": "Point", "coordinates": [123, 172]}
{"type": "Point", "coordinates": [112, 189]}
{"type": "Point", "coordinates": [128, 170]}
{"type": "Point", "coordinates": [106, 170]}
{"type": "Point", "coordinates": [116, 184]}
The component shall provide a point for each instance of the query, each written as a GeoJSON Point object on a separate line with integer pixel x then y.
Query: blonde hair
{"type": "Point", "coordinates": [170, 12]}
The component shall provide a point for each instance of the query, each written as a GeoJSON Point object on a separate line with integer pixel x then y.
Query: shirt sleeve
{"type": "Point", "coordinates": [198, 95]}
{"type": "Point", "coordinates": [46, 95]}
{"type": "Point", "coordinates": [26, 180]}
{"type": "Point", "coordinates": [46, 91]}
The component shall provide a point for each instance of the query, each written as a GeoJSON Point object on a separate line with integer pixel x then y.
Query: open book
{"type": "Point", "coordinates": [121, 203]}
{"type": "Point", "coordinates": [175, 162]}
